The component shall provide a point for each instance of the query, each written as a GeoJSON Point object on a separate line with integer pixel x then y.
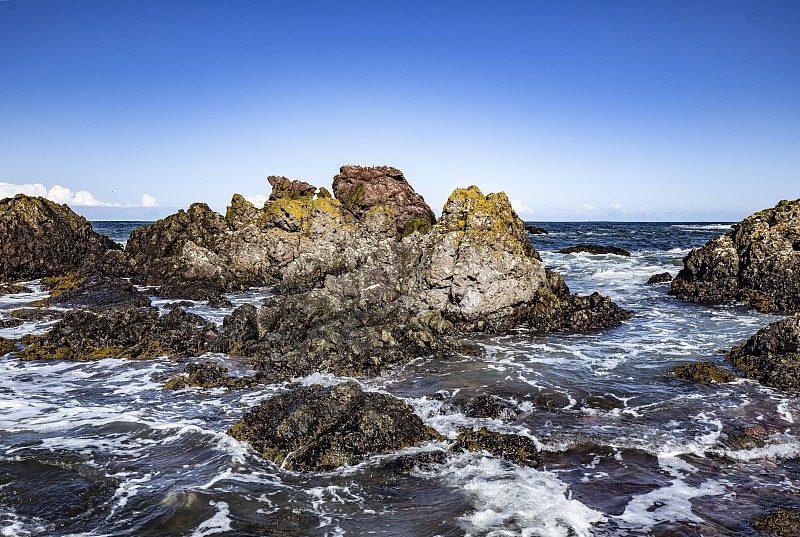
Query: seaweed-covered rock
{"type": "Point", "coordinates": [515, 448]}
{"type": "Point", "coordinates": [594, 249]}
{"type": "Point", "coordinates": [41, 238]}
{"type": "Point", "coordinates": [702, 372]}
{"type": "Point", "coordinates": [10, 323]}
{"type": "Point", "coordinates": [122, 333]}
{"type": "Point", "coordinates": [488, 406]}
{"type": "Point", "coordinates": [757, 262]}
{"type": "Point", "coordinates": [316, 428]}
{"type": "Point", "coordinates": [780, 523]}
{"type": "Point", "coordinates": [362, 188]}
{"type": "Point", "coordinates": [13, 289]}
{"type": "Point", "coordinates": [7, 345]}
{"type": "Point", "coordinates": [662, 277]}
{"type": "Point", "coordinates": [772, 355]}
{"type": "Point", "coordinates": [208, 375]}
{"type": "Point", "coordinates": [99, 293]}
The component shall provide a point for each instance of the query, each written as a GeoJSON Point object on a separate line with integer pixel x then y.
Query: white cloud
{"type": "Point", "coordinates": [62, 194]}
{"type": "Point", "coordinates": [258, 200]}
{"type": "Point", "coordinates": [520, 208]}
{"type": "Point", "coordinates": [149, 201]}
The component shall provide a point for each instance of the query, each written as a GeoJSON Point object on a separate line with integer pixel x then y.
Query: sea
{"type": "Point", "coordinates": [100, 449]}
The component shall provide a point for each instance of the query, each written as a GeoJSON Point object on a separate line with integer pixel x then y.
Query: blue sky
{"type": "Point", "coordinates": [578, 110]}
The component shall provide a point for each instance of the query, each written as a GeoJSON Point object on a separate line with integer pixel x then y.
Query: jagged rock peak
{"type": "Point", "coordinates": [361, 188]}
{"type": "Point", "coordinates": [286, 188]}
{"type": "Point", "coordinates": [39, 237]}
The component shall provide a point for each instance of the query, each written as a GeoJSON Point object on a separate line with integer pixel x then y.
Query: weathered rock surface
{"type": "Point", "coordinates": [41, 238]}
{"type": "Point", "coordinates": [122, 333]}
{"type": "Point", "coordinates": [320, 429]}
{"type": "Point", "coordinates": [663, 277]}
{"type": "Point", "coordinates": [594, 249]}
{"type": "Point", "coordinates": [100, 293]}
{"type": "Point", "coordinates": [772, 355]}
{"type": "Point", "coordinates": [209, 375]}
{"type": "Point", "coordinates": [360, 189]}
{"type": "Point", "coordinates": [515, 448]}
{"type": "Point", "coordinates": [702, 372]}
{"type": "Point", "coordinates": [758, 263]}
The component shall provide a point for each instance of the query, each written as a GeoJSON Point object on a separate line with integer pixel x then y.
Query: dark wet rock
{"type": "Point", "coordinates": [757, 263]}
{"type": "Point", "coordinates": [208, 375]}
{"type": "Point", "coordinates": [13, 289]}
{"type": "Point", "coordinates": [515, 448]}
{"type": "Point", "coordinates": [772, 355]}
{"type": "Point", "coordinates": [565, 312]}
{"type": "Point", "coordinates": [780, 523]}
{"type": "Point", "coordinates": [738, 440]}
{"type": "Point", "coordinates": [181, 304]}
{"type": "Point", "coordinates": [534, 230]}
{"type": "Point", "coordinates": [361, 188]}
{"type": "Point", "coordinates": [10, 323]}
{"type": "Point", "coordinates": [35, 314]}
{"type": "Point", "coordinates": [41, 238]}
{"type": "Point", "coordinates": [219, 302]}
{"type": "Point", "coordinates": [663, 277]}
{"type": "Point", "coordinates": [594, 249]}
{"type": "Point", "coordinates": [100, 293]}
{"type": "Point", "coordinates": [426, 460]}
{"type": "Point", "coordinates": [316, 428]}
{"type": "Point", "coordinates": [122, 333]}
{"type": "Point", "coordinates": [488, 406]}
{"type": "Point", "coordinates": [7, 345]}
{"type": "Point", "coordinates": [605, 402]}
{"type": "Point", "coordinates": [703, 372]}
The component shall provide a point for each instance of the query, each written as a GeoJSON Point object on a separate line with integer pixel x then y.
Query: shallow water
{"type": "Point", "coordinates": [100, 449]}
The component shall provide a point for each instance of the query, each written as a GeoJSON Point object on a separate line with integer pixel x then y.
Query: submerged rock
{"type": "Point", "coordinates": [41, 238]}
{"type": "Point", "coordinates": [780, 523]}
{"type": "Point", "coordinates": [703, 372]}
{"type": "Point", "coordinates": [594, 249]}
{"type": "Point", "coordinates": [663, 277]}
{"type": "Point", "coordinates": [319, 429]}
{"type": "Point", "coordinates": [360, 189]}
{"type": "Point", "coordinates": [757, 263]}
{"type": "Point", "coordinates": [515, 448]}
{"type": "Point", "coordinates": [772, 355]}
{"type": "Point", "coordinates": [208, 375]}
{"type": "Point", "coordinates": [122, 333]}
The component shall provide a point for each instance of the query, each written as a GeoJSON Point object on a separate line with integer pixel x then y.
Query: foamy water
{"type": "Point", "coordinates": [99, 448]}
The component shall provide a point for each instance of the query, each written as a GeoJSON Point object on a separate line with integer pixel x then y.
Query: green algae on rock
{"type": "Point", "coordinates": [41, 238]}
{"type": "Point", "coordinates": [772, 355]}
{"type": "Point", "coordinates": [757, 263]}
{"type": "Point", "coordinates": [780, 523]}
{"type": "Point", "coordinates": [208, 375]}
{"type": "Point", "coordinates": [703, 372]}
{"type": "Point", "coordinates": [314, 428]}
{"type": "Point", "coordinates": [7, 346]}
{"type": "Point", "coordinates": [515, 448]}
{"type": "Point", "coordinates": [13, 289]}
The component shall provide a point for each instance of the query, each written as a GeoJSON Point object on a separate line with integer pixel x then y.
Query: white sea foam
{"type": "Point", "coordinates": [219, 523]}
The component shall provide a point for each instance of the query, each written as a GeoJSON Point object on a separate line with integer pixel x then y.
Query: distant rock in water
{"type": "Point", "coordinates": [41, 238]}
{"type": "Point", "coordinates": [772, 355]}
{"type": "Point", "coordinates": [594, 249]}
{"type": "Point", "coordinates": [534, 230]}
{"type": "Point", "coordinates": [663, 277]}
{"type": "Point", "coordinates": [757, 263]}
{"type": "Point", "coordinates": [320, 429]}
{"type": "Point", "coordinates": [360, 189]}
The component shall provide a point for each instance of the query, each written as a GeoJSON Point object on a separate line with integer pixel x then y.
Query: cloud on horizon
{"type": "Point", "coordinates": [62, 194]}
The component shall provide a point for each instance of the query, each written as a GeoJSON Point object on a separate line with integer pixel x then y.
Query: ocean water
{"type": "Point", "coordinates": [96, 449]}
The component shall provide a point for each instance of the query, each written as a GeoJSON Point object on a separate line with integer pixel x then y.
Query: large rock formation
{"type": "Point", "coordinates": [772, 355]}
{"type": "Point", "coordinates": [757, 263]}
{"type": "Point", "coordinates": [320, 429]}
{"type": "Point", "coordinates": [41, 238]}
{"type": "Point", "coordinates": [360, 189]}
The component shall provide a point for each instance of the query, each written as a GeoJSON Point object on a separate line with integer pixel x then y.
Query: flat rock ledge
{"type": "Point", "coordinates": [756, 263]}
